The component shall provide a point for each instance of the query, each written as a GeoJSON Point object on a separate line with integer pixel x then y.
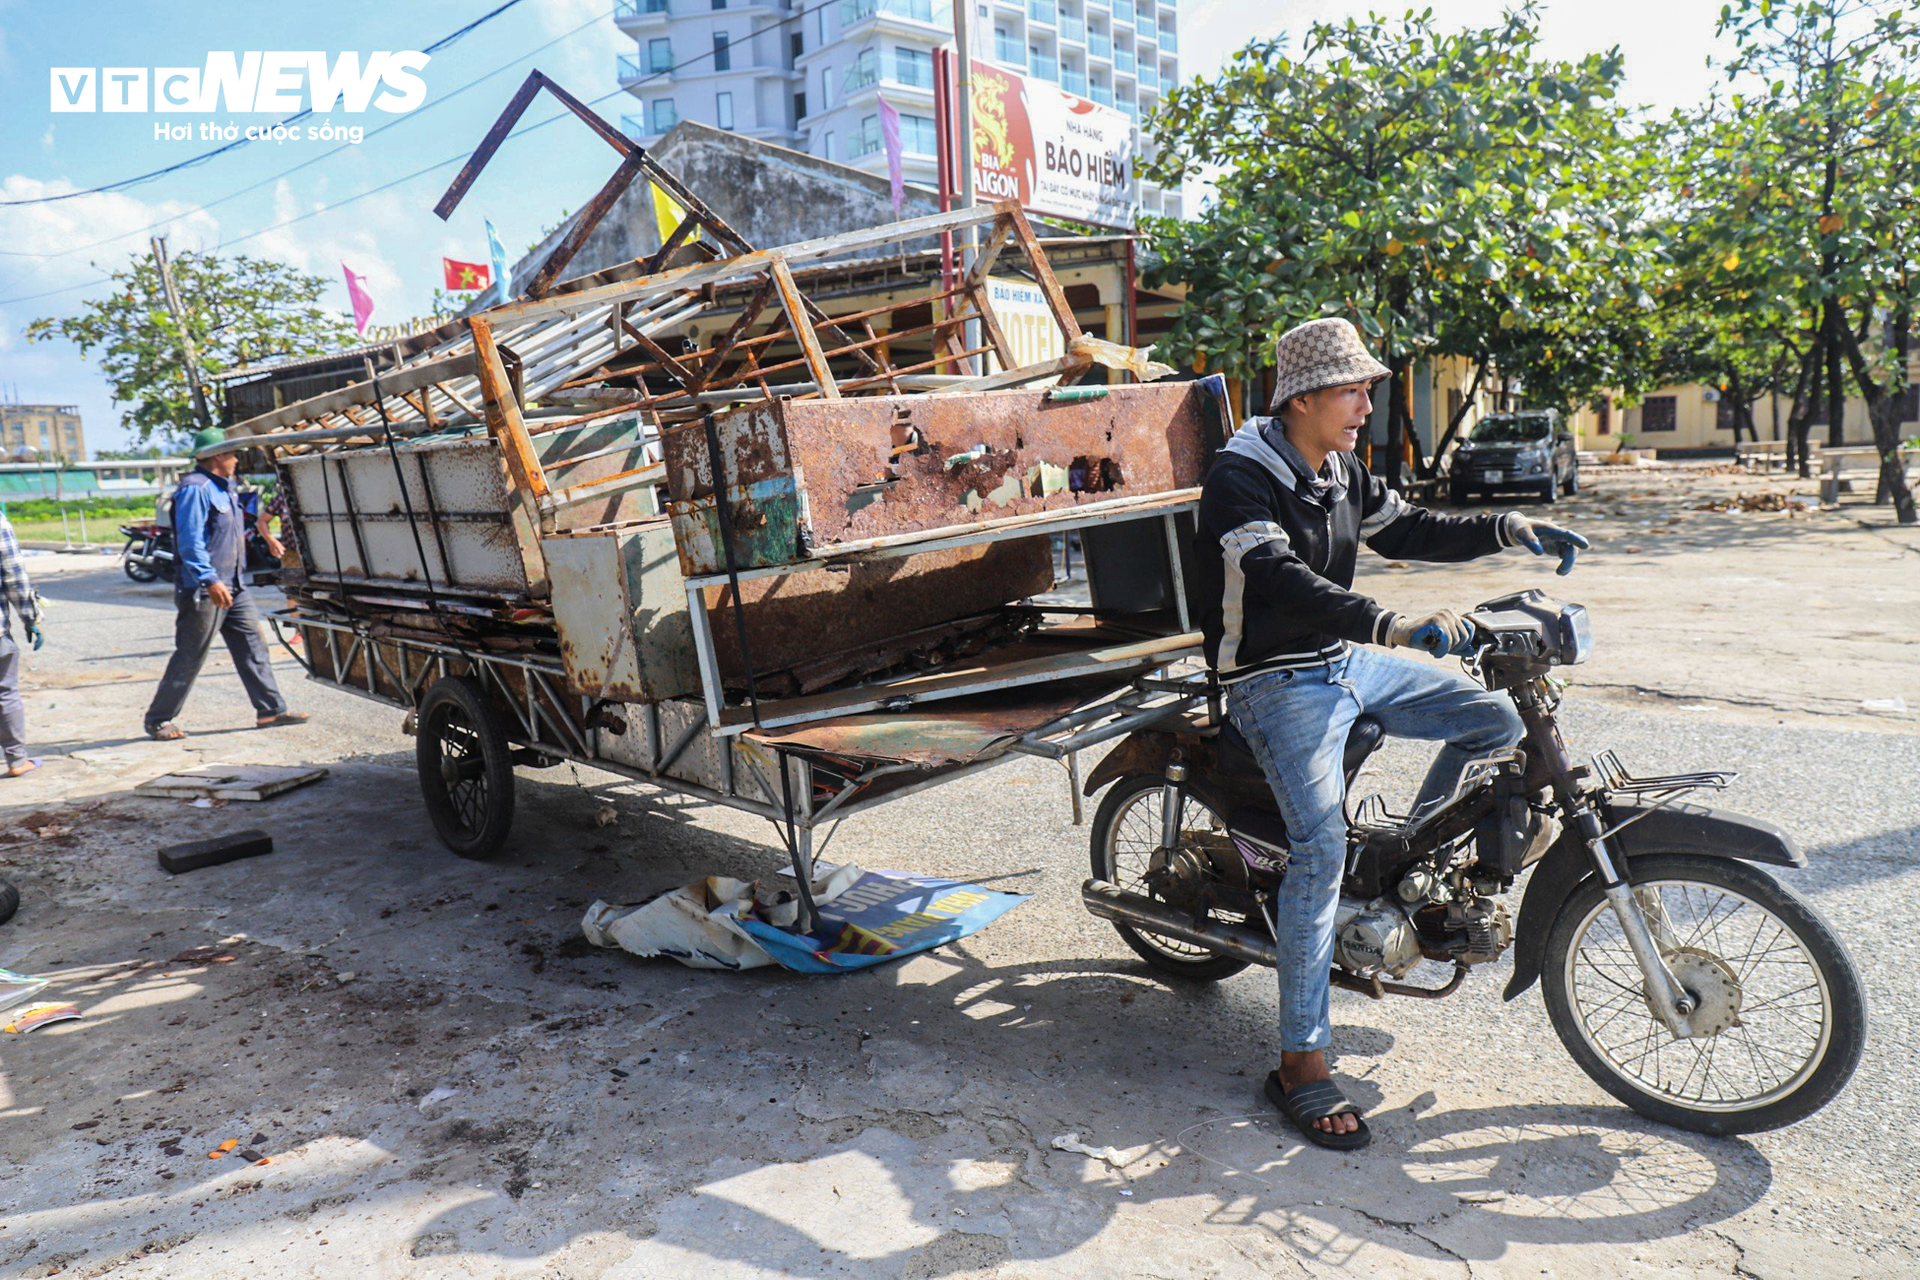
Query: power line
{"type": "Point", "coordinates": [315, 212]}
{"type": "Point", "coordinates": [123, 183]}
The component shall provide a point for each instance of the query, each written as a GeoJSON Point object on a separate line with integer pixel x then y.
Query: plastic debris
{"type": "Point", "coordinates": [1885, 706]}
{"type": "Point", "coordinates": [15, 987]}
{"type": "Point", "coordinates": [437, 1096]}
{"type": "Point", "coordinates": [220, 1151]}
{"type": "Point", "coordinates": [1071, 1142]}
{"type": "Point", "coordinates": [37, 1016]}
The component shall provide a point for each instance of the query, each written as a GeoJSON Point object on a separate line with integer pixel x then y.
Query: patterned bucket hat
{"type": "Point", "coordinates": [1317, 355]}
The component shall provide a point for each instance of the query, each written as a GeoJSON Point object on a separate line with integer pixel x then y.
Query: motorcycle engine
{"type": "Point", "coordinates": [1375, 937]}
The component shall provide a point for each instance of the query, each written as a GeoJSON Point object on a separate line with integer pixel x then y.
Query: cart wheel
{"type": "Point", "coordinates": [9, 901]}
{"type": "Point", "coordinates": [466, 768]}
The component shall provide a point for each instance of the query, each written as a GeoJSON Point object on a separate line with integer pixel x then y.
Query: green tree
{"type": "Point", "coordinates": [1804, 214]}
{"type": "Point", "coordinates": [1451, 193]}
{"type": "Point", "coordinates": [237, 310]}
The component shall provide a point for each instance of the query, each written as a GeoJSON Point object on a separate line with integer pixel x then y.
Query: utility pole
{"type": "Point", "coordinates": [963, 55]}
{"type": "Point", "coordinates": [186, 339]}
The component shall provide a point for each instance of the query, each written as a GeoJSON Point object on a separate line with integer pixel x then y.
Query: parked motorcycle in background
{"type": "Point", "coordinates": [148, 555]}
{"type": "Point", "coordinates": [1679, 974]}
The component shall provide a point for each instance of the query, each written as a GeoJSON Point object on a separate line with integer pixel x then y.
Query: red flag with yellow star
{"type": "Point", "coordinates": [462, 276]}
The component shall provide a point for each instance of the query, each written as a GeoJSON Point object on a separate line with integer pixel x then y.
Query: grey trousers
{"type": "Point", "coordinates": [13, 717]}
{"type": "Point", "coordinates": [194, 627]}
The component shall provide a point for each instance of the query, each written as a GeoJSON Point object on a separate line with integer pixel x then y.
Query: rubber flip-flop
{"type": "Point", "coordinates": [24, 768]}
{"type": "Point", "coordinates": [168, 732]}
{"type": "Point", "coordinates": [285, 717]}
{"type": "Point", "coordinates": [1318, 1100]}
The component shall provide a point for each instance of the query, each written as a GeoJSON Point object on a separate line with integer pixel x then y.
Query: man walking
{"type": "Point", "coordinates": [16, 597]}
{"type": "Point", "coordinates": [1282, 514]}
{"type": "Point", "coordinates": [209, 596]}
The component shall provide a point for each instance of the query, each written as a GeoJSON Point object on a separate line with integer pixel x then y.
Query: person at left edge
{"type": "Point", "coordinates": [17, 599]}
{"type": "Point", "coordinates": [210, 596]}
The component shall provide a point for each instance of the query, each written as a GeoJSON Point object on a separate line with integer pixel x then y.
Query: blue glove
{"type": "Point", "coordinates": [35, 634]}
{"type": "Point", "coordinates": [1439, 633]}
{"type": "Point", "coordinates": [1537, 538]}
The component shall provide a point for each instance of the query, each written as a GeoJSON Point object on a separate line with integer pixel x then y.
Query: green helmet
{"type": "Point", "coordinates": [205, 437]}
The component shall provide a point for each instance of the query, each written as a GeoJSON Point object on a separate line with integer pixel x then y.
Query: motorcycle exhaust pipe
{"type": "Point", "coordinates": [1240, 941]}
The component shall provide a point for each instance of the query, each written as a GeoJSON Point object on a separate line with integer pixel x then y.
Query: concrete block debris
{"type": "Point", "coordinates": [192, 855]}
{"type": "Point", "coordinates": [231, 782]}
{"type": "Point", "coordinates": [866, 918]}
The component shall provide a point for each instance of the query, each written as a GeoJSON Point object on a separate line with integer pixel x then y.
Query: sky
{"type": "Point", "coordinates": [54, 256]}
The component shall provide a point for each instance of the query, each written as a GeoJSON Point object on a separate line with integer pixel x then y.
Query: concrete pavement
{"type": "Point", "coordinates": [447, 1081]}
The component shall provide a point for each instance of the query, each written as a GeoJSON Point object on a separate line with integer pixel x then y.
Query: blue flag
{"type": "Point", "coordinates": [499, 254]}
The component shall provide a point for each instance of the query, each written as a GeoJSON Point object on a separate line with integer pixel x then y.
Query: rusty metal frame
{"type": "Point", "coordinates": [634, 161]}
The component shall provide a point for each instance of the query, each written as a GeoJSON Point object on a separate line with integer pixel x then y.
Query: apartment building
{"type": "Point", "coordinates": [809, 76]}
{"type": "Point", "coordinates": [50, 430]}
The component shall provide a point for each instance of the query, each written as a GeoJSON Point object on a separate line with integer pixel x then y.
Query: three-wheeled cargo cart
{"type": "Point", "coordinates": [680, 523]}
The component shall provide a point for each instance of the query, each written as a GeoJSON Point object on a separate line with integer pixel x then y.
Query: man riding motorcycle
{"type": "Point", "coordinates": [1282, 514]}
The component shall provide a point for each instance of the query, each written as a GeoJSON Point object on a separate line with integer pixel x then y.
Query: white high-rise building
{"type": "Point", "coordinates": [809, 75]}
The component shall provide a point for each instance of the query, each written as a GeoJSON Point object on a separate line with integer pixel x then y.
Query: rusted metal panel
{"type": "Point", "coordinates": [847, 617]}
{"type": "Point", "coordinates": [620, 608]}
{"type": "Point", "coordinates": [807, 475]}
{"type": "Point", "coordinates": [353, 519]}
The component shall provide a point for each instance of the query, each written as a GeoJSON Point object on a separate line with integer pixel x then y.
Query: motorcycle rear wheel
{"type": "Point", "coordinates": [138, 570]}
{"type": "Point", "coordinates": [1126, 833]}
{"type": "Point", "coordinates": [1762, 963]}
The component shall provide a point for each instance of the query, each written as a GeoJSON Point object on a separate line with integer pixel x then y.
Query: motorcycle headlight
{"type": "Point", "coordinates": [1576, 636]}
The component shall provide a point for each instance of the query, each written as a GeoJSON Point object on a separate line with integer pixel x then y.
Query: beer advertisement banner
{"type": "Point", "coordinates": [1054, 152]}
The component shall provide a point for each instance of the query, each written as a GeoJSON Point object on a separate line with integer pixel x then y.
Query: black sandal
{"type": "Point", "coordinates": [1318, 1100]}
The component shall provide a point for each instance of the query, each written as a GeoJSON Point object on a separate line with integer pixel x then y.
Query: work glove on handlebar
{"type": "Point", "coordinates": [1439, 633]}
{"type": "Point", "coordinates": [1539, 537]}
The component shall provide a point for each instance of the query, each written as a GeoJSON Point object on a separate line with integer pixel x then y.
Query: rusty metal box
{"type": "Point", "coordinates": [805, 478]}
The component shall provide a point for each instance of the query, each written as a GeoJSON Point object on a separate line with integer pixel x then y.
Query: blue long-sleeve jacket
{"type": "Point", "coordinates": [200, 504]}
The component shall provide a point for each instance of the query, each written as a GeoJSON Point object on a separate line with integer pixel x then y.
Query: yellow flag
{"type": "Point", "coordinates": [669, 213]}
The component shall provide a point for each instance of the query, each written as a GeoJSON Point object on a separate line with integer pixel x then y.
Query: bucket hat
{"type": "Point", "coordinates": [1320, 354]}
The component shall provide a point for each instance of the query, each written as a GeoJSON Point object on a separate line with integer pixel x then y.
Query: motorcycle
{"type": "Point", "coordinates": [148, 555]}
{"type": "Point", "coordinates": [1678, 973]}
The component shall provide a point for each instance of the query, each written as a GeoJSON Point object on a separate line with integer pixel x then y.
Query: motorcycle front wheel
{"type": "Point", "coordinates": [1781, 1020]}
{"type": "Point", "coordinates": [1126, 835]}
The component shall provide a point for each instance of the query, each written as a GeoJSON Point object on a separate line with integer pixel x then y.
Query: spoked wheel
{"type": "Point", "coordinates": [466, 767]}
{"type": "Point", "coordinates": [1781, 1017]}
{"type": "Point", "coordinates": [1126, 837]}
{"type": "Point", "coordinates": [138, 571]}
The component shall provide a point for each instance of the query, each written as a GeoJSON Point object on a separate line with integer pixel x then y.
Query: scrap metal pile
{"type": "Point", "coordinates": [685, 479]}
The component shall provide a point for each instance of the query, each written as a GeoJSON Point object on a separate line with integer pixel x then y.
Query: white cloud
{"type": "Point", "coordinates": [320, 245]}
{"type": "Point", "coordinates": [46, 139]}
{"type": "Point", "coordinates": [584, 65]}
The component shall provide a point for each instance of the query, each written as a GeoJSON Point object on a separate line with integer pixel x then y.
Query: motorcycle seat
{"type": "Point", "coordinates": [1362, 740]}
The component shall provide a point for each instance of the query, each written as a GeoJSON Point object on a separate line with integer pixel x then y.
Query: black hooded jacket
{"type": "Point", "coordinates": [1273, 560]}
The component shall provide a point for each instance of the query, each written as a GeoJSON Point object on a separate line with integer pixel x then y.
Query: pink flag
{"type": "Point", "coordinates": [362, 302]}
{"type": "Point", "coordinates": [890, 135]}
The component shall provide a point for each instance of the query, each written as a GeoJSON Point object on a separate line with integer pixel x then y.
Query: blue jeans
{"type": "Point", "coordinates": [1297, 724]}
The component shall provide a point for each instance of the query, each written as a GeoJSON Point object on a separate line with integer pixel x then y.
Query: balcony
{"type": "Point", "coordinates": [1042, 11]}
{"type": "Point", "coordinates": [1146, 24]}
{"type": "Point", "coordinates": [1009, 53]}
{"type": "Point", "coordinates": [1149, 77]}
{"type": "Point", "coordinates": [916, 73]}
{"type": "Point", "coordinates": [864, 143]}
{"type": "Point", "coordinates": [860, 75]}
{"type": "Point", "coordinates": [1123, 12]}
{"type": "Point", "coordinates": [1041, 67]}
{"type": "Point", "coordinates": [1123, 61]}
{"type": "Point", "coordinates": [1072, 28]}
{"type": "Point", "coordinates": [853, 11]}
{"type": "Point", "coordinates": [665, 115]}
{"type": "Point", "coordinates": [1169, 42]}
{"type": "Point", "coordinates": [1102, 94]}
{"type": "Point", "coordinates": [1099, 46]}
{"type": "Point", "coordinates": [634, 127]}
{"type": "Point", "coordinates": [636, 10]}
{"type": "Point", "coordinates": [1074, 81]}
